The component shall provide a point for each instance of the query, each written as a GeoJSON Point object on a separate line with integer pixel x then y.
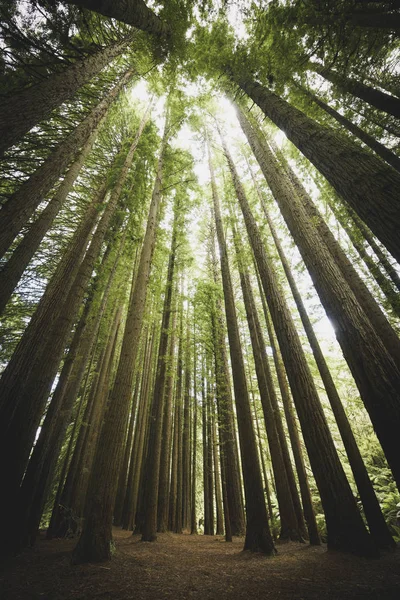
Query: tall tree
{"type": "Point", "coordinates": [28, 107]}
{"type": "Point", "coordinates": [18, 209]}
{"type": "Point", "coordinates": [152, 467]}
{"type": "Point", "coordinates": [95, 543]}
{"type": "Point", "coordinates": [361, 346]}
{"type": "Point", "coordinates": [346, 530]}
{"type": "Point", "coordinates": [258, 536]}
{"type": "Point", "coordinates": [363, 180]}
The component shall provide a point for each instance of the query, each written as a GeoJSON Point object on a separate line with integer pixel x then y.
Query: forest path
{"type": "Point", "coordinates": [183, 567]}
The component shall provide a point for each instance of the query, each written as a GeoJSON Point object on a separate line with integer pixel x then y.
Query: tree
{"type": "Point", "coordinates": [258, 536]}
{"type": "Point", "coordinates": [96, 539]}
{"type": "Point", "coordinates": [346, 530]}
{"type": "Point", "coordinates": [370, 189]}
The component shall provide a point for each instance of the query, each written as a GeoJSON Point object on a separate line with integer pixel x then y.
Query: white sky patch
{"type": "Point", "coordinates": [280, 138]}
{"type": "Point", "coordinates": [235, 18]}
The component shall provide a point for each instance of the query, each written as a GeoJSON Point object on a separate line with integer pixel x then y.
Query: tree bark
{"type": "Point", "coordinates": [346, 531]}
{"type": "Point", "coordinates": [364, 181]}
{"type": "Point", "coordinates": [28, 107]}
{"type": "Point", "coordinates": [132, 12]}
{"type": "Point", "coordinates": [95, 543]}
{"type": "Point", "coordinates": [373, 513]}
{"type": "Point", "coordinates": [308, 508]}
{"type": "Point", "coordinates": [13, 269]}
{"type": "Point", "coordinates": [152, 467]}
{"type": "Point", "coordinates": [17, 211]}
{"type": "Point", "coordinates": [258, 536]}
{"type": "Point", "coordinates": [290, 528]}
{"type": "Point", "coordinates": [374, 97]}
{"type": "Point", "coordinates": [165, 463]}
{"type": "Point", "coordinates": [379, 149]}
{"type": "Point", "coordinates": [225, 410]}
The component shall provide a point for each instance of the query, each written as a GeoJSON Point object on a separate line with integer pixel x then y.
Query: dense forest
{"type": "Point", "coordinates": [199, 279]}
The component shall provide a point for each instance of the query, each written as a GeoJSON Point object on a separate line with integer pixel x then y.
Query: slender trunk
{"type": "Point", "coordinates": [308, 508]}
{"type": "Point", "coordinates": [289, 524]}
{"type": "Point", "coordinates": [217, 481]}
{"type": "Point", "coordinates": [362, 135]}
{"type": "Point", "coordinates": [78, 480]}
{"type": "Point", "coordinates": [54, 427]}
{"type": "Point", "coordinates": [165, 462]}
{"type": "Point", "coordinates": [25, 376]}
{"type": "Point", "coordinates": [16, 212]}
{"type": "Point", "coordinates": [193, 515]}
{"type": "Point", "coordinates": [95, 543]}
{"type": "Point", "coordinates": [186, 447]}
{"type": "Point", "coordinates": [138, 449]}
{"type": "Point", "coordinates": [179, 429]}
{"type": "Point", "coordinates": [364, 181]}
{"type": "Point", "coordinates": [132, 12]}
{"type": "Point", "coordinates": [346, 530]}
{"type": "Point", "coordinates": [264, 469]}
{"type": "Point", "coordinates": [392, 297]}
{"type": "Point", "coordinates": [206, 490]}
{"type": "Point", "coordinates": [67, 460]}
{"type": "Point", "coordinates": [123, 474]}
{"type": "Point", "coordinates": [152, 467]}
{"type": "Point", "coordinates": [380, 254]}
{"type": "Point", "coordinates": [210, 470]}
{"type": "Point", "coordinates": [173, 493]}
{"type": "Point", "coordinates": [375, 519]}
{"type": "Point", "coordinates": [226, 423]}
{"type": "Point", "coordinates": [28, 107]}
{"type": "Point", "coordinates": [374, 97]}
{"type": "Point", "coordinates": [13, 269]}
{"type": "Point", "coordinates": [364, 298]}
{"type": "Point", "coordinates": [375, 372]}
{"type": "Point", "coordinates": [258, 537]}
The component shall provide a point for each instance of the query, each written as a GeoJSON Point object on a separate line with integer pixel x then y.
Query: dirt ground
{"type": "Point", "coordinates": [182, 567]}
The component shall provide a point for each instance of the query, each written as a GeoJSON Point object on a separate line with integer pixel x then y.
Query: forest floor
{"type": "Point", "coordinates": [185, 567]}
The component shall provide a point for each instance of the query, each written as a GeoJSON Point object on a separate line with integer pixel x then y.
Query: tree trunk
{"type": "Point", "coordinates": [24, 380]}
{"type": "Point", "coordinates": [362, 135]}
{"type": "Point", "coordinates": [210, 469]}
{"type": "Point", "coordinates": [152, 466]}
{"type": "Point", "coordinates": [193, 514]}
{"type": "Point", "coordinates": [308, 508]}
{"type": "Point", "coordinates": [380, 254]}
{"type": "Point", "coordinates": [206, 488]}
{"type": "Point", "coordinates": [364, 298]}
{"type": "Point", "coordinates": [217, 481]}
{"type": "Point", "coordinates": [132, 12]}
{"type": "Point", "coordinates": [165, 462]}
{"type": "Point", "coordinates": [123, 474]}
{"type": "Point", "coordinates": [375, 372]}
{"type": "Point", "coordinates": [95, 543]}
{"type": "Point", "coordinates": [258, 536]}
{"type": "Point", "coordinates": [226, 422]}
{"type": "Point", "coordinates": [346, 530]}
{"type": "Point", "coordinates": [375, 519]}
{"type": "Point", "coordinates": [374, 97]}
{"type": "Point", "coordinates": [13, 269]}
{"type": "Point", "coordinates": [135, 467]}
{"type": "Point", "coordinates": [392, 297]}
{"type": "Point", "coordinates": [173, 492]}
{"type": "Point", "coordinates": [16, 212]}
{"type": "Point", "coordinates": [28, 107]}
{"type": "Point", "coordinates": [364, 181]}
{"type": "Point", "coordinates": [186, 446]}
{"type": "Point", "coordinates": [290, 529]}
